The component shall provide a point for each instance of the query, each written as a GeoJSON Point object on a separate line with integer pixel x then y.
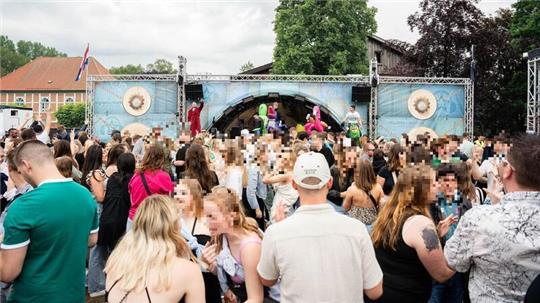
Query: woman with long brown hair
{"type": "Point", "coordinates": [153, 261]}
{"type": "Point", "coordinates": [407, 242]}
{"type": "Point", "coordinates": [388, 174]}
{"type": "Point", "coordinates": [197, 168]}
{"type": "Point", "coordinates": [363, 196]}
{"type": "Point", "coordinates": [149, 179]}
{"type": "Point", "coordinates": [237, 240]}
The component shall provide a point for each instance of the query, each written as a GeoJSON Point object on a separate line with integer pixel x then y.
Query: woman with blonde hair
{"type": "Point", "coordinates": [153, 261]}
{"type": "Point", "coordinates": [363, 196]}
{"type": "Point", "coordinates": [406, 241]}
{"type": "Point", "coordinates": [190, 195]}
{"type": "Point", "coordinates": [237, 240]}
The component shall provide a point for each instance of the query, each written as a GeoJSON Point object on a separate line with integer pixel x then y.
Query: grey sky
{"type": "Point", "coordinates": [216, 36]}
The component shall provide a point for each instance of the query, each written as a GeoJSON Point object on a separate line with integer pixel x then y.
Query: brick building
{"type": "Point", "coordinates": [47, 82]}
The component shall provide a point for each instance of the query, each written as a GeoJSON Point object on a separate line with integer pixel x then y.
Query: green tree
{"type": "Point", "coordinates": [13, 57]}
{"type": "Point", "coordinates": [127, 69]}
{"type": "Point", "coordinates": [246, 66]}
{"type": "Point", "coordinates": [497, 64]}
{"type": "Point", "coordinates": [160, 66]}
{"type": "Point", "coordinates": [71, 115]}
{"type": "Point", "coordinates": [525, 27]}
{"type": "Point", "coordinates": [33, 50]}
{"type": "Point", "coordinates": [322, 37]}
{"type": "Point", "coordinates": [10, 60]}
{"type": "Point", "coordinates": [445, 28]}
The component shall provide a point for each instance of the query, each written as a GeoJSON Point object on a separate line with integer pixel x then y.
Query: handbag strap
{"type": "Point", "coordinates": [372, 199]}
{"type": "Point", "coordinates": [145, 184]}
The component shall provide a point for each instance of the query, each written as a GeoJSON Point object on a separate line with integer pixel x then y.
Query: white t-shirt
{"type": "Point", "coordinates": [353, 117]}
{"type": "Point", "coordinates": [320, 256]}
{"type": "Point", "coordinates": [43, 137]}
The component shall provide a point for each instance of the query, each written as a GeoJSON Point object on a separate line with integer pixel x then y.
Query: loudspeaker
{"type": "Point", "coordinates": [361, 94]}
{"type": "Point", "coordinates": [194, 92]}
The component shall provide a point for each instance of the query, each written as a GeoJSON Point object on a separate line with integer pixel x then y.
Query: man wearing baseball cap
{"type": "Point", "coordinates": [318, 254]}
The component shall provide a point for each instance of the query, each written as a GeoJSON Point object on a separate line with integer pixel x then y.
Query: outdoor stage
{"type": "Point", "coordinates": [392, 105]}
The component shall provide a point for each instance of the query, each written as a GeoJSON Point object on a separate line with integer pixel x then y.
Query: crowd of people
{"type": "Point", "coordinates": [288, 217]}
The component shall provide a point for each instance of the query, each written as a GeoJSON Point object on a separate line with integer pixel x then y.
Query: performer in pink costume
{"type": "Point", "coordinates": [314, 122]}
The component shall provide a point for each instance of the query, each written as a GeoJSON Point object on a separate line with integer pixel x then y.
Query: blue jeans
{"type": "Point", "coordinates": [96, 263]}
{"type": "Point", "coordinates": [451, 291]}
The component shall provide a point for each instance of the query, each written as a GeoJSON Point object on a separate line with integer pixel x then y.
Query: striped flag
{"type": "Point", "coordinates": [84, 63]}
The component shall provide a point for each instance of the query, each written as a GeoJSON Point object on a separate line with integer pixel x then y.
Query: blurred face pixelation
{"type": "Point", "coordinates": [448, 184]}
{"type": "Point", "coordinates": [218, 221]}
{"type": "Point", "coordinates": [183, 195]}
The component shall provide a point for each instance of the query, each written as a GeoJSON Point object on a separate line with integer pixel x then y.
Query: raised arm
{"type": "Point", "coordinates": [48, 122]}
{"type": "Point", "coordinates": [23, 124]}
{"type": "Point", "coordinates": [268, 179]}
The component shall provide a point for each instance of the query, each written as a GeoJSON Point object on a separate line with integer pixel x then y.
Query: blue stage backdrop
{"type": "Point", "coordinates": [335, 97]}
{"type": "Point", "coordinates": [395, 117]}
{"type": "Point", "coordinates": [110, 114]}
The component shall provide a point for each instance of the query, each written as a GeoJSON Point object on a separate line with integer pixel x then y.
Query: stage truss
{"type": "Point", "coordinates": [533, 92]}
{"type": "Point", "coordinates": [182, 78]}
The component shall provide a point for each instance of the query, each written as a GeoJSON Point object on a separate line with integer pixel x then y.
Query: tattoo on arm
{"type": "Point", "coordinates": [431, 240]}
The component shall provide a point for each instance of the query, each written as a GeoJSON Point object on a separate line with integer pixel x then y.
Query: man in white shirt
{"type": "Point", "coordinates": [318, 254]}
{"type": "Point", "coordinates": [353, 116]}
{"type": "Point", "coordinates": [42, 134]}
{"type": "Point", "coordinates": [353, 123]}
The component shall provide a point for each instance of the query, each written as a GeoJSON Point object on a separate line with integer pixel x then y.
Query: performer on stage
{"type": "Point", "coordinates": [314, 121]}
{"type": "Point", "coordinates": [353, 123]}
{"type": "Point", "coordinates": [194, 118]}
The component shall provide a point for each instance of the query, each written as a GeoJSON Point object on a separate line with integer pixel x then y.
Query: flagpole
{"type": "Point", "coordinates": [87, 67]}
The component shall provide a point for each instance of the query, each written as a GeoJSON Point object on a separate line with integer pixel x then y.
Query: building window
{"type": "Point", "coordinates": [19, 101]}
{"type": "Point", "coordinates": [44, 104]}
{"type": "Point", "coordinates": [69, 100]}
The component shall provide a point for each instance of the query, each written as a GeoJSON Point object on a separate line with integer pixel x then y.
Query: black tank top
{"type": "Point", "coordinates": [405, 277]}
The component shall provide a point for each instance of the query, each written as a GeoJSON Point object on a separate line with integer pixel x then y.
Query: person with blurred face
{"type": "Point", "coordinates": [54, 224]}
{"type": "Point", "coordinates": [498, 244]}
{"type": "Point", "coordinates": [449, 205]}
{"type": "Point", "coordinates": [237, 240]}
{"type": "Point", "coordinates": [343, 269]}
{"type": "Point", "coordinates": [406, 240]}
{"type": "Point", "coordinates": [317, 145]}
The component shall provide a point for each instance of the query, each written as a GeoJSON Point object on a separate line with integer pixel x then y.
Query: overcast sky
{"type": "Point", "coordinates": [215, 36]}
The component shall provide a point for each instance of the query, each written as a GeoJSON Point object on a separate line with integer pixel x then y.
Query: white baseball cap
{"type": "Point", "coordinates": [311, 164]}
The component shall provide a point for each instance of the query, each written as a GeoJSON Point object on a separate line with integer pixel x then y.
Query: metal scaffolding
{"type": "Point", "coordinates": [181, 80]}
{"type": "Point", "coordinates": [533, 92]}
{"type": "Point", "coordinates": [278, 78]}
{"type": "Point", "coordinates": [89, 105]}
{"type": "Point", "coordinates": [372, 111]}
{"type": "Point", "coordinates": [373, 80]}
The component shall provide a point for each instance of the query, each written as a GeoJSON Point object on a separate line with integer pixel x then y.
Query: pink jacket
{"type": "Point", "coordinates": [159, 182]}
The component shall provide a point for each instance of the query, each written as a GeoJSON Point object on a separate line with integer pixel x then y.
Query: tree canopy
{"type": "Point", "coordinates": [448, 29]}
{"type": "Point", "coordinates": [322, 37]}
{"type": "Point", "coordinates": [160, 66]}
{"type": "Point", "coordinates": [14, 55]}
{"type": "Point", "coordinates": [246, 66]}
